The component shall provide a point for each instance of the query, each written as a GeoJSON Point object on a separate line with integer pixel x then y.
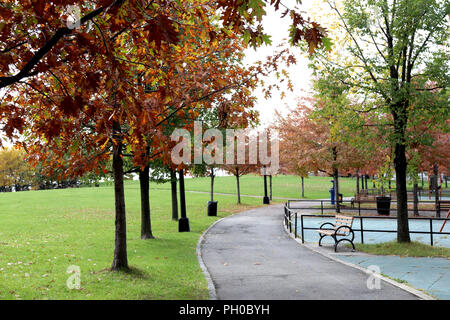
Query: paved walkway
{"type": "Point", "coordinates": [250, 256]}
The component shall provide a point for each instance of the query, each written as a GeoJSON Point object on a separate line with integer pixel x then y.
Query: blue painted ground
{"type": "Point", "coordinates": [429, 274]}
{"type": "Point", "coordinates": [427, 198]}
{"type": "Point", "coordinates": [379, 224]}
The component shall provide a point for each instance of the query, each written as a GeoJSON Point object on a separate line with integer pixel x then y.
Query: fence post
{"type": "Point", "coordinates": [285, 217]}
{"type": "Point", "coordinates": [303, 236]}
{"type": "Point", "coordinates": [290, 222]}
{"type": "Point", "coordinates": [431, 231]}
{"type": "Point", "coordinates": [362, 229]}
{"type": "Point", "coordinates": [321, 206]}
{"type": "Point", "coordinates": [359, 208]}
{"type": "Point", "coordinates": [295, 231]}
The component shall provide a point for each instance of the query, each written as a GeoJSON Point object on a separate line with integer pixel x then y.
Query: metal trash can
{"type": "Point", "coordinates": [384, 205]}
{"type": "Point", "coordinates": [212, 208]}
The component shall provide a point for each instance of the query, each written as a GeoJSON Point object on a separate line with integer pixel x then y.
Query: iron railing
{"type": "Point", "coordinates": [357, 206]}
{"type": "Point", "coordinates": [292, 219]}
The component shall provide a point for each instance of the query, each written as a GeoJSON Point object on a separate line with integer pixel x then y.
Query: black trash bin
{"type": "Point", "coordinates": [383, 205]}
{"type": "Point", "coordinates": [212, 208]}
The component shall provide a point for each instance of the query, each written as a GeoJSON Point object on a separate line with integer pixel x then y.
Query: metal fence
{"type": "Point", "coordinates": [358, 206]}
{"type": "Point", "coordinates": [293, 218]}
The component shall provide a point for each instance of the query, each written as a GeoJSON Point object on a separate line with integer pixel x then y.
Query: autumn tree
{"type": "Point", "coordinates": [241, 163]}
{"type": "Point", "coordinates": [141, 112]}
{"type": "Point", "coordinates": [309, 144]}
{"type": "Point", "coordinates": [83, 85]}
{"type": "Point", "coordinates": [14, 170]}
{"type": "Point", "coordinates": [394, 53]}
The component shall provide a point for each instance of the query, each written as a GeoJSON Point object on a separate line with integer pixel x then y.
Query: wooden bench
{"type": "Point", "coordinates": [342, 228]}
{"type": "Point", "coordinates": [358, 199]}
{"type": "Point", "coordinates": [443, 205]}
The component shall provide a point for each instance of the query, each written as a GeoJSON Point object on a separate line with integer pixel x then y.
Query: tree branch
{"type": "Point", "coordinates": [48, 46]}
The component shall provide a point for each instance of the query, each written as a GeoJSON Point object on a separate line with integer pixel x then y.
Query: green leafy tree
{"type": "Point", "coordinates": [395, 61]}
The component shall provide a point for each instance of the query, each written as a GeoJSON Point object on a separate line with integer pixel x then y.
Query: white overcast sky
{"type": "Point", "coordinates": [300, 74]}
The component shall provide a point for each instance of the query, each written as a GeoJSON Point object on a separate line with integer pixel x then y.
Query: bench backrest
{"type": "Point", "coordinates": [340, 221]}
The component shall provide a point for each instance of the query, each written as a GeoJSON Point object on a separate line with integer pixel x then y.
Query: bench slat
{"type": "Point", "coordinates": [331, 232]}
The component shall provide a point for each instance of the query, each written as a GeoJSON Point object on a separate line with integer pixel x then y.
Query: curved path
{"type": "Point", "coordinates": [250, 256]}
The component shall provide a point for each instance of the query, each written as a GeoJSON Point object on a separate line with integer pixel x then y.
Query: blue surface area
{"type": "Point", "coordinates": [429, 274]}
{"type": "Point", "coordinates": [427, 198]}
{"type": "Point", "coordinates": [379, 224]}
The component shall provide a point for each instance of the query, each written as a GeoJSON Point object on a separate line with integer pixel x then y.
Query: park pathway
{"type": "Point", "coordinates": [250, 256]}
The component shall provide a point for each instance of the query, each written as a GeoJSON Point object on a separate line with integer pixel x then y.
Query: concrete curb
{"type": "Point", "coordinates": [409, 289]}
{"type": "Point", "coordinates": [211, 286]}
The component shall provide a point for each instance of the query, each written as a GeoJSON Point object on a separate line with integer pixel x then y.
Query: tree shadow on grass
{"type": "Point", "coordinates": [131, 272]}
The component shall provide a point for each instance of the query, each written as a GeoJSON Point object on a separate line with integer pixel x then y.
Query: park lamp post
{"type": "Point", "coordinates": [266, 199]}
{"type": "Point", "coordinates": [183, 222]}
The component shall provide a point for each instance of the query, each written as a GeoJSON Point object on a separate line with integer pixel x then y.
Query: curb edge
{"type": "Point", "coordinates": [210, 282]}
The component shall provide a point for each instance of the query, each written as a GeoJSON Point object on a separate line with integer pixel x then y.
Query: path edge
{"type": "Point", "coordinates": [211, 286]}
{"type": "Point", "coordinates": [210, 282]}
{"type": "Point", "coordinates": [404, 287]}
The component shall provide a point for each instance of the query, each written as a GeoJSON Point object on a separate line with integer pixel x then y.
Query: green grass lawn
{"type": "Point", "coordinates": [413, 249]}
{"type": "Point", "coordinates": [42, 233]}
{"type": "Point", "coordinates": [283, 186]}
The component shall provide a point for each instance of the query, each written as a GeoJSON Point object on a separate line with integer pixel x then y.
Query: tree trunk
{"type": "Point", "coordinates": [146, 225]}
{"type": "Point", "coordinates": [366, 178]}
{"type": "Point", "coordinates": [183, 223]}
{"type": "Point", "coordinates": [270, 187]}
{"type": "Point", "coordinates": [212, 184]}
{"type": "Point", "coordinates": [336, 190]}
{"type": "Point", "coordinates": [120, 261]}
{"type": "Point", "coordinates": [173, 184]}
{"type": "Point", "coordinates": [265, 184]}
{"type": "Point", "coordinates": [182, 194]}
{"type": "Point", "coordinates": [436, 189]}
{"type": "Point", "coordinates": [422, 181]}
{"type": "Point", "coordinates": [357, 182]}
{"type": "Point", "coordinates": [336, 181]}
{"type": "Point", "coordinates": [238, 187]}
{"type": "Point", "coordinates": [402, 196]}
{"type": "Point", "coordinates": [416, 199]}
{"type": "Point", "coordinates": [303, 187]}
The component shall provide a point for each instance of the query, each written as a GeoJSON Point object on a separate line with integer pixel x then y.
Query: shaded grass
{"type": "Point", "coordinates": [412, 249]}
{"type": "Point", "coordinates": [42, 233]}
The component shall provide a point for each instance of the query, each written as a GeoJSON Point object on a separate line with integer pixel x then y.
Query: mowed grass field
{"type": "Point", "coordinates": [42, 233]}
{"type": "Point", "coordinates": [283, 186]}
